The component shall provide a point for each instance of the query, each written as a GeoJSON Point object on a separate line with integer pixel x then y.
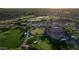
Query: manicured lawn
{"type": "Point", "coordinates": [42, 43]}
{"type": "Point", "coordinates": [10, 38]}
{"type": "Point", "coordinates": [39, 41]}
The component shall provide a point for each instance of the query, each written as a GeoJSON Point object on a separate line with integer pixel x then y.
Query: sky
{"type": "Point", "coordinates": [39, 4]}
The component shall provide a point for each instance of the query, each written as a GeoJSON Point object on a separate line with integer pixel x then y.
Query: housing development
{"type": "Point", "coordinates": [39, 29]}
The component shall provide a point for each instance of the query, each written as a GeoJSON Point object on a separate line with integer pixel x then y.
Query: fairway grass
{"type": "Point", "coordinates": [42, 43]}
{"type": "Point", "coordinates": [10, 39]}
